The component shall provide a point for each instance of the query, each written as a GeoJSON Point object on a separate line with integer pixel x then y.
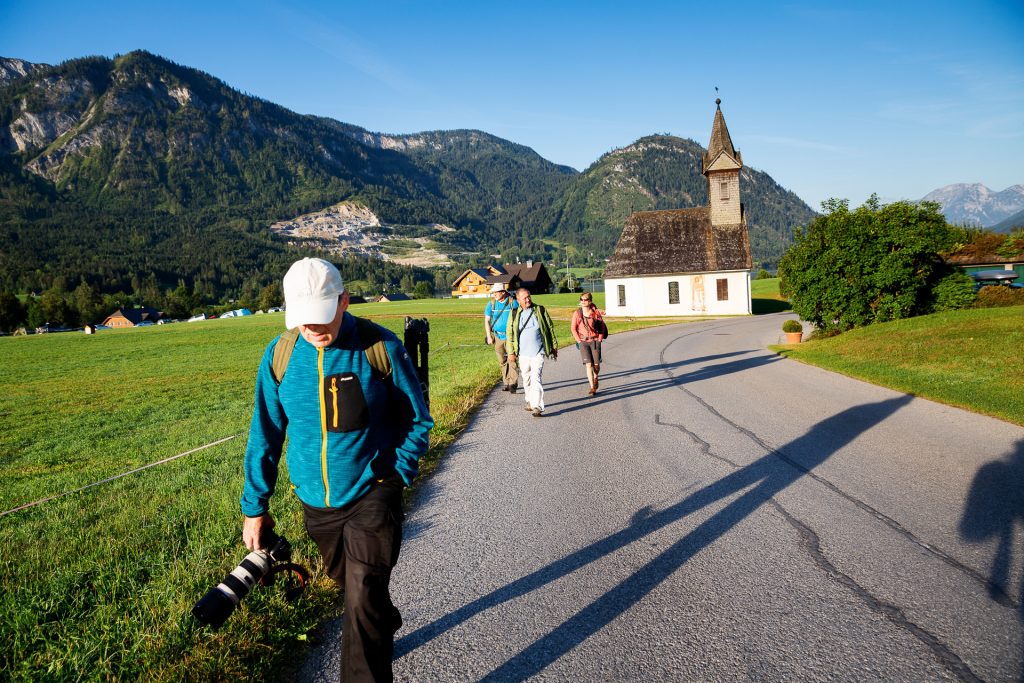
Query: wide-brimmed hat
{"type": "Point", "coordinates": [311, 290]}
{"type": "Point", "coordinates": [497, 287]}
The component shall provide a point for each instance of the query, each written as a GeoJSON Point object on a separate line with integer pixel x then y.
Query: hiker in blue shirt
{"type": "Point", "coordinates": [531, 339]}
{"type": "Point", "coordinates": [347, 396]}
{"type": "Point", "coordinates": [495, 322]}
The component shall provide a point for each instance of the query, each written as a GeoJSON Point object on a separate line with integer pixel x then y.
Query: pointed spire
{"type": "Point", "coordinates": [720, 139]}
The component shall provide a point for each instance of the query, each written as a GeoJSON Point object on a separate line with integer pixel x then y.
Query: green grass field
{"type": "Point", "coordinates": [99, 584]}
{"type": "Point", "coordinates": [971, 358]}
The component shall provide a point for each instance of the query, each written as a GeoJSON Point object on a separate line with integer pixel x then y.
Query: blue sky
{"type": "Point", "coordinates": [896, 98]}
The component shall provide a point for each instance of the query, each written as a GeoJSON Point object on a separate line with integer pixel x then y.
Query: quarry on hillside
{"type": "Point", "coordinates": [348, 228]}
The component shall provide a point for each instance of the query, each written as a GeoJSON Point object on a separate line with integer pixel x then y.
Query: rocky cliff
{"type": "Point", "coordinates": [975, 204]}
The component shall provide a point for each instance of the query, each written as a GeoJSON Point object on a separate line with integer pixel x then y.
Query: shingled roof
{"type": "Point", "coordinates": [534, 276]}
{"type": "Point", "coordinates": [678, 241]}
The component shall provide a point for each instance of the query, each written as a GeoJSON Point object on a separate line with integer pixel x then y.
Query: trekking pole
{"type": "Point", "coordinates": [417, 344]}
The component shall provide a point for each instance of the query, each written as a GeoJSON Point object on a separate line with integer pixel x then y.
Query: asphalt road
{"type": "Point", "coordinates": [715, 513]}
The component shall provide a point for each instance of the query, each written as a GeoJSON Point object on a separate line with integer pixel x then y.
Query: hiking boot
{"type": "Point", "coordinates": [537, 412]}
{"type": "Point", "coordinates": [512, 388]}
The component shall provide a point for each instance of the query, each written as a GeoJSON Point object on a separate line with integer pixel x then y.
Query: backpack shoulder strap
{"type": "Point", "coordinates": [369, 336]}
{"type": "Point", "coordinates": [372, 340]}
{"type": "Point", "coordinates": [283, 353]}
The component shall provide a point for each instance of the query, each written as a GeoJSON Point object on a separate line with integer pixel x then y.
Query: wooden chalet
{"type": "Point", "coordinates": [473, 282]}
{"type": "Point", "coordinates": [507, 281]}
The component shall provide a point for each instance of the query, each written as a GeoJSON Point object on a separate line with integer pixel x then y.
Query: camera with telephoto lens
{"type": "Point", "coordinates": [258, 566]}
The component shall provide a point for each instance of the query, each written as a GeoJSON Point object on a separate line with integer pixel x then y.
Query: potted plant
{"type": "Point", "coordinates": [794, 331]}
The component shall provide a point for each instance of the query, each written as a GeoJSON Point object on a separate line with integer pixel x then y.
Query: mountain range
{"type": "Point", "coordinates": [975, 204]}
{"type": "Point", "coordinates": [117, 169]}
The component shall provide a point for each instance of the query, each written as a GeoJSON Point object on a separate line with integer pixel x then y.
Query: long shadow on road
{"type": "Point", "coordinates": [644, 386]}
{"type": "Point", "coordinates": [994, 507]}
{"type": "Point", "coordinates": [633, 372]}
{"type": "Point", "coordinates": [768, 476]}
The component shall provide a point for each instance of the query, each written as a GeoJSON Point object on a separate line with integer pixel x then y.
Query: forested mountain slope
{"type": "Point", "coordinates": [117, 169]}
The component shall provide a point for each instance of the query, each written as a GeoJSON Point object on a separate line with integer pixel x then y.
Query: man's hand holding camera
{"type": "Point", "coordinates": [253, 529]}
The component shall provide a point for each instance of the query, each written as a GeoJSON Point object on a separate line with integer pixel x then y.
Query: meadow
{"type": "Point", "coordinates": [99, 584]}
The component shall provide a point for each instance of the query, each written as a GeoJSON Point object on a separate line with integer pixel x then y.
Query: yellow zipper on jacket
{"type": "Point", "coordinates": [323, 425]}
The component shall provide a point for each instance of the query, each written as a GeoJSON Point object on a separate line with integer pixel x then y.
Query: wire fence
{"type": "Point", "coordinates": [118, 476]}
{"type": "Point", "coordinates": [447, 346]}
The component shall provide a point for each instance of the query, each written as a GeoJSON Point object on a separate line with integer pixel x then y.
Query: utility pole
{"type": "Point", "coordinates": [568, 273]}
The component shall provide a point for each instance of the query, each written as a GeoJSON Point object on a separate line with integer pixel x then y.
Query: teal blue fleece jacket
{"type": "Point", "coordinates": [346, 427]}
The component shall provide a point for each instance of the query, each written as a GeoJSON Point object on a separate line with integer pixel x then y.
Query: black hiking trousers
{"type": "Point", "coordinates": [359, 543]}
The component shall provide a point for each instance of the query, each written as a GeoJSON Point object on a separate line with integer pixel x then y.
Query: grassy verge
{"type": "Point", "coordinates": [99, 584]}
{"type": "Point", "coordinates": [765, 297]}
{"type": "Point", "coordinates": [970, 359]}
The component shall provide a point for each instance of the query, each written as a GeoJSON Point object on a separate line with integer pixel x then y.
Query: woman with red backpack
{"type": "Point", "coordinates": [589, 330]}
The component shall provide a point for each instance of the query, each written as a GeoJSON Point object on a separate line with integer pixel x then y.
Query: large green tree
{"type": "Point", "coordinates": [12, 312]}
{"type": "Point", "coordinates": [875, 263]}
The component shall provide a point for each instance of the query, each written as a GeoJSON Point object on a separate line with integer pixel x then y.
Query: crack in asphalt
{"type": "Point", "coordinates": [812, 544]}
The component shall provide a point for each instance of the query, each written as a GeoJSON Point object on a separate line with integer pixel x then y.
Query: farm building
{"type": "Point", "coordinates": [396, 296]}
{"type": "Point", "coordinates": [477, 282]}
{"type": "Point", "coordinates": [130, 317]}
{"type": "Point", "coordinates": [687, 261]}
{"type": "Point", "coordinates": [991, 254]}
{"type": "Point", "coordinates": [533, 276]}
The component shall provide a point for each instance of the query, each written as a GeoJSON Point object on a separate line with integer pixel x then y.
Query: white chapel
{"type": "Point", "coordinates": [687, 261]}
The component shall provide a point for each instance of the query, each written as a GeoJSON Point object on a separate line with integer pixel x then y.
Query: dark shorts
{"type": "Point", "coordinates": [591, 352]}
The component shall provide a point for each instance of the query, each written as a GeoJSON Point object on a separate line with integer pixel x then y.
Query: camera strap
{"type": "Point", "coordinates": [298, 572]}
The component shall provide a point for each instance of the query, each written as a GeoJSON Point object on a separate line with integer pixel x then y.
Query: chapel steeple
{"type": "Point", "coordinates": [721, 165]}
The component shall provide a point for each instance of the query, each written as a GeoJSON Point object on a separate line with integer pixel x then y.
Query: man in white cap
{"type": "Point", "coordinates": [495, 322]}
{"type": "Point", "coordinates": [347, 395]}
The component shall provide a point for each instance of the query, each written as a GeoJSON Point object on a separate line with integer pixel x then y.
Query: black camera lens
{"type": "Point", "coordinates": [214, 608]}
{"type": "Point", "coordinates": [219, 602]}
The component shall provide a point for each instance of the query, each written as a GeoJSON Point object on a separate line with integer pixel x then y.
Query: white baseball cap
{"type": "Point", "coordinates": [311, 290]}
